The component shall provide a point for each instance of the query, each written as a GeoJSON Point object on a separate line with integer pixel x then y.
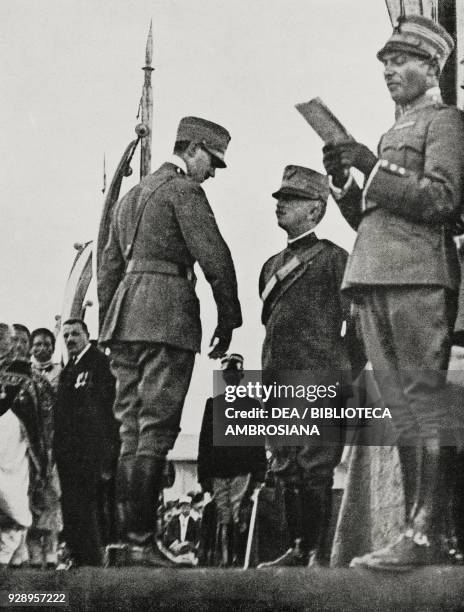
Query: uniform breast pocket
{"type": "Point", "coordinates": [404, 148]}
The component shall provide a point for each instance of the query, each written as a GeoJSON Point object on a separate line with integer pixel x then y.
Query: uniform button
{"type": "Point", "coordinates": [393, 167]}
{"type": "Point", "coordinates": [384, 163]}
{"type": "Point", "coordinates": [402, 171]}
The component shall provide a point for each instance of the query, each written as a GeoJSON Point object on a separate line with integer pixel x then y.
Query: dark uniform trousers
{"type": "Point", "coordinates": [152, 382]}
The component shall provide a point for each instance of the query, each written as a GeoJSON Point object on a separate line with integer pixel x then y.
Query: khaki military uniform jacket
{"type": "Point", "coordinates": [409, 203]}
{"type": "Point", "coordinates": [177, 226]}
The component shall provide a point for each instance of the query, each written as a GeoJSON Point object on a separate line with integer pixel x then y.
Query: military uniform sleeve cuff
{"type": "Point", "coordinates": [339, 192]}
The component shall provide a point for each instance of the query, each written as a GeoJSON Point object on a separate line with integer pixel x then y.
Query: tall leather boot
{"type": "Point", "coordinates": [116, 554]}
{"type": "Point", "coordinates": [410, 459]}
{"type": "Point", "coordinates": [124, 478]}
{"type": "Point", "coordinates": [451, 551]}
{"type": "Point", "coordinates": [224, 535]}
{"type": "Point", "coordinates": [141, 535]}
{"type": "Point", "coordinates": [238, 551]}
{"type": "Point", "coordinates": [297, 555]}
{"type": "Point", "coordinates": [319, 513]}
{"type": "Point", "coordinates": [419, 544]}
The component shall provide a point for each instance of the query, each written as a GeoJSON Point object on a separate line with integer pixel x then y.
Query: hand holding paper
{"type": "Point", "coordinates": [349, 154]}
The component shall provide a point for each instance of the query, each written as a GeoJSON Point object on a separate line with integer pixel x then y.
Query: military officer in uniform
{"type": "Point", "coordinates": [303, 313]}
{"type": "Point", "coordinates": [404, 272]}
{"type": "Point", "coordinates": [149, 313]}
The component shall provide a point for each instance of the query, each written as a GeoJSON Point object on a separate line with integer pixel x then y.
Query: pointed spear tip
{"type": "Point", "coordinates": [149, 47]}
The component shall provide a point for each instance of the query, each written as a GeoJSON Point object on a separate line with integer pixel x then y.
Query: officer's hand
{"type": "Point", "coordinates": [356, 155]}
{"type": "Point", "coordinates": [333, 165]}
{"type": "Point", "coordinates": [220, 343]}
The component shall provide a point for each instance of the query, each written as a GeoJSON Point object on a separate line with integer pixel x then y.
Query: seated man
{"type": "Point", "coordinates": [182, 530]}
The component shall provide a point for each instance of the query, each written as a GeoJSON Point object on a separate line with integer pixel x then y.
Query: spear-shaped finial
{"type": "Point", "coordinates": [147, 107]}
{"type": "Point", "coordinates": [149, 47]}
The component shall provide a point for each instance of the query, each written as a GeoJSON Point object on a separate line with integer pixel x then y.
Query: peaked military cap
{"type": "Point", "coordinates": [420, 36]}
{"type": "Point", "coordinates": [234, 361]}
{"type": "Point", "coordinates": [212, 136]}
{"type": "Point", "coordinates": [303, 183]}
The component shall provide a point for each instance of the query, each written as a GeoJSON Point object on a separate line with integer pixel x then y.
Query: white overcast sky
{"type": "Point", "coordinates": [71, 83]}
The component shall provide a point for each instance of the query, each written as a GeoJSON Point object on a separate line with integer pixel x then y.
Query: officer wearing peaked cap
{"type": "Point", "coordinates": [303, 313]}
{"type": "Point", "coordinates": [403, 271]}
{"type": "Point", "coordinates": [149, 313]}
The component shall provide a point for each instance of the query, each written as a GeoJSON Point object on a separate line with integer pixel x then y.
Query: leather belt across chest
{"type": "Point", "coordinates": [159, 266]}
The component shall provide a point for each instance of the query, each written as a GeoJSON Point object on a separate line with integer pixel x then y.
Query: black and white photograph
{"type": "Point", "coordinates": [232, 316]}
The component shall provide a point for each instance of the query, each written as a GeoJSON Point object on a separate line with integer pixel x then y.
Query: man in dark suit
{"type": "Point", "coordinates": [86, 440]}
{"type": "Point", "coordinates": [304, 312]}
{"type": "Point", "coordinates": [229, 472]}
{"type": "Point", "coordinates": [404, 272]}
{"type": "Point", "coordinates": [149, 313]}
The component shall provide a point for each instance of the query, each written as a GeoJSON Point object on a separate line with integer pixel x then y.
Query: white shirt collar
{"type": "Point", "coordinates": [291, 240]}
{"type": "Point", "coordinates": [83, 352]}
{"type": "Point", "coordinates": [434, 93]}
{"type": "Point", "coordinates": [179, 162]}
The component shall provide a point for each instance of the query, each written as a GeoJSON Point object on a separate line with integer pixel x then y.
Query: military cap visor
{"type": "Point", "coordinates": [304, 183]}
{"type": "Point", "coordinates": [297, 193]}
{"type": "Point", "coordinates": [218, 157]}
{"type": "Point", "coordinates": [212, 136]}
{"type": "Point", "coordinates": [402, 47]}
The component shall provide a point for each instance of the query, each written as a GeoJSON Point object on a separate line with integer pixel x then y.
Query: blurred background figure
{"type": "Point", "coordinates": [182, 531]}
{"type": "Point", "coordinates": [230, 473]}
{"type": "Point", "coordinates": [21, 342]}
{"type": "Point", "coordinates": [43, 536]}
{"type": "Point", "coordinates": [22, 456]}
{"type": "Point", "coordinates": [42, 349]}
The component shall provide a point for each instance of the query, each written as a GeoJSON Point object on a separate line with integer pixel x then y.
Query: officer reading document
{"type": "Point", "coordinates": [403, 272]}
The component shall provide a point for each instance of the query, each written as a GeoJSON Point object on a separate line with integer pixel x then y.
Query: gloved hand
{"type": "Point", "coordinates": [220, 343]}
{"type": "Point", "coordinates": [333, 165]}
{"type": "Point", "coordinates": [353, 154]}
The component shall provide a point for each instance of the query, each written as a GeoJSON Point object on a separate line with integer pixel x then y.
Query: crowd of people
{"type": "Point", "coordinates": [83, 446]}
